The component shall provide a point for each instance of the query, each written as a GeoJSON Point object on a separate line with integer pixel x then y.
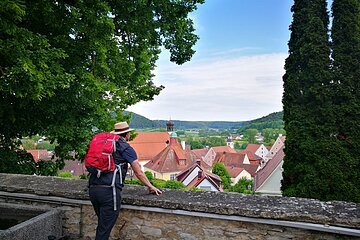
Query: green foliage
{"type": "Point", "coordinates": [270, 135]}
{"type": "Point", "coordinates": [304, 99]}
{"type": "Point", "coordinates": [250, 134]}
{"type": "Point", "coordinates": [173, 184]}
{"type": "Point", "coordinates": [149, 175]}
{"type": "Point", "coordinates": [213, 141]}
{"type": "Point", "coordinates": [345, 35]}
{"type": "Point", "coordinates": [242, 186]}
{"type": "Point", "coordinates": [220, 170]}
{"type": "Point", "coordinates": [140, 122]}
{"type": "Point", "coordinates": [48, 168]}
{"type": "Point", "coordinates": [28, 144]}
{"type": "Point", "coordinates": [196, 144]}
{"type": "Point", "coordinates": [18, 161]}
{"type": "Point", "coordinates": [65, 175]}
{"type": "Point", "coordinates": [84, 176]}
{"type": "Point", "coordinates": [132, 181]}
{"type": "Point", "coordinates": [46, 145]}
{"type": "Point", "coordinates": [159, 183]}
{"type": "Point", "coordinates": [69, 67]}
{"type": "Point", "coordinates": [237, 145]}
{"type": "Point", "coordinates": [273, 120]}
{"type": "Point", "coordinates": [321, 103]}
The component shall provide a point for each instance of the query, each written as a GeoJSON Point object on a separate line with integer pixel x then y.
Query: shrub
{"type": "Point", "coordinates": [65, 175]}
{"type": "Point", "coordinates": [172, 184]}
{"type": "Point", "coordinates": [46, 145]}
{"type": "Point", "coordinates": [158, 183]}
{"type": "Point", "coordinates": [28, 144]}
{"type": "Point", "coordinates": [242, 186]}
{"type": "Point", "coordinates": [149, 175]}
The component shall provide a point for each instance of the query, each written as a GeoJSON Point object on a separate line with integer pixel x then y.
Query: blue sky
{"type": "Point", "coordinates": [236, 72]}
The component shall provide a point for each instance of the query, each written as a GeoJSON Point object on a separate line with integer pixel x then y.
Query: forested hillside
{"type": "Point", "coordinates": [273, 120]}
{"type": "Point", "coordinates": [140, 122]}
{"type": "Point", "coordinates": [202, 124]}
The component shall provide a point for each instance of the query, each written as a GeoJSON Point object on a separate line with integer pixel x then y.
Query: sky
{"type": "Point", "coordinates": [236, 72]}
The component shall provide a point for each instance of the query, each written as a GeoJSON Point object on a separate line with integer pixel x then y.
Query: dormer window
{"type": "Point", "coordinates": [182, 162]}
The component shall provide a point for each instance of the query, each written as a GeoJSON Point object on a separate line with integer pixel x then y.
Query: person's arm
{"type": "Point", "coordinates": [142, 177]}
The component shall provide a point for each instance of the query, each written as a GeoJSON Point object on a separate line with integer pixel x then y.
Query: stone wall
{"type": "Point", "coordinates": [35, 222]}
{"type": "Point", "coordinates": [187, 214]}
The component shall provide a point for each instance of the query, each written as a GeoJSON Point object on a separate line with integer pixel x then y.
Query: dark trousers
{"type": "Point", "coordinates": [103, 202]}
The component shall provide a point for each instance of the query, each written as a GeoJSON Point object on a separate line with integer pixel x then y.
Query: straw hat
{"type": "Point", "coordinates": [121, 127]}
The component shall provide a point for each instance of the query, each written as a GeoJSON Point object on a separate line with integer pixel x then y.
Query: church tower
{"type": "Point", "coordinates": [170, 126]}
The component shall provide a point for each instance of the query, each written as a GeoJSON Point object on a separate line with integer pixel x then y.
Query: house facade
{"type": "Point", "coordinates": [267, 180]}
{"type": "Point", "coordinates": [148, 144]}
{"type": "Point", "coordinates": [238, 165]}
{"type": "Point", "coordinates": [197, 176]}
{"type": "Point", "coordinates": [211, 154]}
{"type": "Point", "coordinates": [170, 161]}
{"type": "Point", "coordinates": [278, 144]}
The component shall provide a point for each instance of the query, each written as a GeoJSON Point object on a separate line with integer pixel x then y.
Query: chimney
{"type": "Point", "coordinates": [198, 162]}
{"type": "Point", "coordinates": [183, 145]}
{"type": "Point", "coordinates": [200, 174]}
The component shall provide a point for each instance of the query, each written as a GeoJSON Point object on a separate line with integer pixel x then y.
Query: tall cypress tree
{"type": "Point", "coordinates": [306, 100]}
{"type": "Point", "coordinates": [346, 94]}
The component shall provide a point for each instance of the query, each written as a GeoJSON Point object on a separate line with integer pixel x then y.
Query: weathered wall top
{"type": "Point", "coordinates": [280, 208]}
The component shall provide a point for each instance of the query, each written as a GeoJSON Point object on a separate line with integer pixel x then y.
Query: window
{"type": "Point", "coordinates": [172, 176]}
{"type": "Point", "coordinates": [182, 162]}
{"type": "Point", "coordinates": [154, 175]}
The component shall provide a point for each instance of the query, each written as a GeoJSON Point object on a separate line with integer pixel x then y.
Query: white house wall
{"type": "Point", "coordinates": [275, 148]}
{"type": "Point", "coordinates": [191, 176]}
{"type": "Point", "coordinates": [246, 160]}
{"type": "Point", "coordinates": [272, 185]}
{"type": "Point", "coordinates": [262, 151]}
{"type": "Point", "coordinates": [243, 174]}
{"type": "Point", "coordinates": [210, 157]}
{"type": "Point", "coordinates": [206, 183]}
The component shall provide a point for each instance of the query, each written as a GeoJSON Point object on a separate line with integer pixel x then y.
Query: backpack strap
{"type": "Point", "coordinates": [117, 169]}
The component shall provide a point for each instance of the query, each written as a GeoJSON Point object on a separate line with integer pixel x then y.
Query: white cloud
{"type": "Point", "coordinates": [230, 89]}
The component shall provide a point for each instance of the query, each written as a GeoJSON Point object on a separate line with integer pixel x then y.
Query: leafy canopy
{"type": "Point", "coordinates": [68, 68]}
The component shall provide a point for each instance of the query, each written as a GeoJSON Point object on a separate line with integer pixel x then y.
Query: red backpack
{"type": "Point", "coordinates": [100, 152]}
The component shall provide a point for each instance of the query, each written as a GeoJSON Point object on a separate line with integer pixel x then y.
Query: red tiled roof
{"type": "Point", "coordinates": [263, 174]}
{"type": "Point", "coordinates": [200, 152]}
{"type": "Point", "coordinates": [221, 149]}
{"type": "Point", "coordinates": [250, 169]}
{"type": "Point", "coordinates": [196, 182]}
{"type": "Point", "coordinates": [198, 163]}
{"type": "Point", "coordinates": [234, 171]}
{"type": "Point", "coordinates": [230, 159]}
{"type": "Point", "coordinates": [168, 160]}
{"type": "Point", "coordinates": [40, 155]}
{"type": "Point", "coordinates": [148, 144]}
{"type": "Point", "coordinates": [251, 147]}
{"type": "Point", "coordinates": [235, 160]}
{"type": "Point", "coordinates": [251, 155]}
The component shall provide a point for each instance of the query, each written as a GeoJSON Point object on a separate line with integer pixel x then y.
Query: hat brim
{"type": "Point", "coordinates": [121, 132]}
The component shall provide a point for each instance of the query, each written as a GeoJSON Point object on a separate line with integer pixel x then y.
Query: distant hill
{"type": "Point", "coordinates": [139, 122]}
{"type": "Point", "coordinates": [273, 120]}
{"type": "Point", "coordinates": [181, 125]}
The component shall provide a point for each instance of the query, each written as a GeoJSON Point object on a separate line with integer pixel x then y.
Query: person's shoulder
{"type": "Point", "coordinates": [122, 144]}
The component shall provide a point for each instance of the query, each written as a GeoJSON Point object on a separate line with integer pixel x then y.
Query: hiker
{"type": "Point", "coordinates": [105, 187]}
